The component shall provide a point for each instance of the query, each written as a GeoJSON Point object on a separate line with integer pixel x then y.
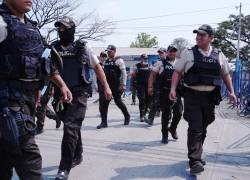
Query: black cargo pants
{"type": "Point", "coordinates": [72, 116]}
{"type": "Point", "coordinates": [118, 101]}
{"type": "Point", "coordinates": [142, 94]}
{"type": "Point", "coordinates": [199, 112]}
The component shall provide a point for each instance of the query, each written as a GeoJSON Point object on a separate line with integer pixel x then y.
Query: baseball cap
{"type": "Point", "coordinates": [144, 56]}
{"type": "Point", "coordinates": [172, 47]}
{"type": "Point", "coordinates": [111, 48]}
{"type": "Point", "coordinates": [204, 29]}
{"type": "Point", "coordinates": [162, 50]}
{"type": "Point", "coordinates": [66, 21]}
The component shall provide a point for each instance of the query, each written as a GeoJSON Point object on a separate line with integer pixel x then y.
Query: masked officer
{"type": "Point", "coordinates": [77, 59]}
{"type": "Point", "coordinates": [116, 74]}
{"type": "Point", "coordinates": [141, 74]}
{"type": "Point", "coordinates": [21, 69]}
{"type": "Point", "coordinates": [204, 67]}
{"type": "Point", "coordinates": [43, 110]}
{"type": "Point", "coordinates": [155, 96]}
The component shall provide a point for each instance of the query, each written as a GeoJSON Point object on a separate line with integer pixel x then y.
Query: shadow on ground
{"type": "Point", "coordinates": [154, 172]}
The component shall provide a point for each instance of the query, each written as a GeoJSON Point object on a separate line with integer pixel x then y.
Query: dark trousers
{"type": "Point", "coordinates": [102, 102]}
{"type": "Point", "coordinates": [154, 105]}
{"type": "Point", "coordinates": [199, 112]}
{"type": "Point", "coordinates": [28, 164]}
{"type": "Point", "coordinates": [166, 108]}
{"type": "Point", "coordinates": [118, 101]}
{"type": "Point", "coordinates": [72, 117]}
{"type": "Point", "coordinates": [177, 113]}
{"type": "Point", "coordinates": [170, 110]}
{"type": "Point", "coordinates": [143, 97]}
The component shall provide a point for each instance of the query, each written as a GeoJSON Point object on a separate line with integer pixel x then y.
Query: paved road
{"type": "Point", "coordinates": [135, 152]}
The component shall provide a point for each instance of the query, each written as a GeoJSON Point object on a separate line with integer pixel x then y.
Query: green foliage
{"type": "Point", "coordinates": [144, 40]}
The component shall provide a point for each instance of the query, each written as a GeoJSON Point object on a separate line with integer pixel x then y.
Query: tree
{"type": "Point", "coordinates": [181, 44]}
{"type": "Point", "coordinates": [226, 36]}
{"type": "Point", "coordinates": [44, 12]}
{"type": "Point", "coordinates": [144, 40]}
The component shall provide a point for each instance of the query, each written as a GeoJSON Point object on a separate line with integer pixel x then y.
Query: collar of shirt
{"type": "Point", "coordinates": [206, 53]}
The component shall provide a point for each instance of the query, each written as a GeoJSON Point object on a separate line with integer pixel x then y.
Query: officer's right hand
{"type": "Point", "coordinates": [108, 93]}
{"type": "Point", "coordinates": [172, 95]}
{"type": "Point", "coordinates": [67, 95]}
{"type": "Point", "coordinates": [150, 91]}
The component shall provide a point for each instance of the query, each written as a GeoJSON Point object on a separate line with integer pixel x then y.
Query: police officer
{"type": "Point", "coordinates": [141, 74]}
{"type": "Point", "coordinates": [204, 67]}
{"type": "Point", "coordinates": [165, 69]}
{"type": "Point", "coordinates": [43, 110]}
{"type": "Point", "coordinates": [21, 50]}
{"type": "Point", "coordinates": [116, 74]}
{"type": "Point", "coordinates": [77, 59]}
{"type": "Point", "coordinates": [103, 58]}
{"type": "Point", "coordinates": [154, 109]}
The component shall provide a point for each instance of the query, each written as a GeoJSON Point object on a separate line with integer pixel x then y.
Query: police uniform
{"type": "Point", "coordinates": [21, 48]}
{"type": "Point", "coordinates": [115, 71]}
{"type": "Point", "coordinates": [77, 59]}
{"type": "Point", "coordinates": [202, 79]}
{"type": "Point", "coordinates": [142, 75]}
{"type": "Point", "coordinates": [165, 69]}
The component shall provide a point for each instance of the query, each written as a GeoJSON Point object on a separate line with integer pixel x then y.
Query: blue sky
{"type": "Point", "coordinates": [126, 31]}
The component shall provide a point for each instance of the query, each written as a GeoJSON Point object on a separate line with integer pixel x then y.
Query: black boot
{"type": "Point", "coordinates": [62, 175]}
{"type": "Point", "coordinates": [127, 120]}
{"type": "Point", "coordinates": [102, 125]}
{"type": "Point", "coordinates": [149, 121]}
{"type": "Point", "coordinates": [196, 168]}
{"type": "Point", "coordinates": [164, 137]}
{"type": "Point", "coordinates": [173, 133]}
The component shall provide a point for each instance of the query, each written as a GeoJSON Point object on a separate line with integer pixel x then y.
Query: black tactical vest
{"type": "Point", "coordinates": [142, 74]}
{"type": "Point", "coordinates": [21, 51]}
{"type": "Point", "coordinates": [166, 75]}
{"type": "Point", "coordinates": [76, 66]}
{"type": "Point", "coordinates": [206, 69]}
{"type": "Point", "coordinates": [112, 72]}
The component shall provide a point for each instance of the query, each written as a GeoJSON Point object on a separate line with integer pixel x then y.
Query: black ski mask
{"type": "Point", "coordinates": [67, 36]}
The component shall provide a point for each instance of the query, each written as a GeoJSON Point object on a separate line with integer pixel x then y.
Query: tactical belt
{"type": "Point", "coordinates": [192, 91]}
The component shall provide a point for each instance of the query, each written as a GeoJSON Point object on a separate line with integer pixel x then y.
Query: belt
{"type": "Point", "coordinates": [192, 91]}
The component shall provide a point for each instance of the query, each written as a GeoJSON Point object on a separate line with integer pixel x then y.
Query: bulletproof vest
{"type": "Point", "coordinates": [206, 69]}
{"type": "Point", "coordinates": [22, 49]}
{"type": "Point", "coordinates": [166, 74]}
{"type": "Point", "coordinates": [76, 66]}
{"type": "Point", "coordinates": [112, 72]}
{"type": "Point", "coordinates": [142, 74]}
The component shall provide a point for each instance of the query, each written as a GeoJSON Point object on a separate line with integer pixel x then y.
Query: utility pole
{"type": "Point", "coordinates": [239, 33]}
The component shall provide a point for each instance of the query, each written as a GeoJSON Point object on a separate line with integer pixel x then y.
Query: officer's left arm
{"type": "Point", "coordinates": [225, 72]}
{"type": "Point", "coordinates": [67, 95]}
{"type": "Point", "coordinates": [95, 64]}
{"type": "Point", "coordinates": [123, 79]}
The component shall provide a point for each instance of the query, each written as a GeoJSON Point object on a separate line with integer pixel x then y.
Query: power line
{"type": "Point", "coordinates": [174, 14]}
